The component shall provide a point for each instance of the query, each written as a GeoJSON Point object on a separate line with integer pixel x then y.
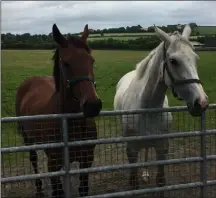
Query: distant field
{"type": "Point", "coordinates": [203, 30]}
{"type": "Point", "coordinates": [123, 34]}
{"type": "Point", "coordinates": [119, 36]}
{"type": "Point", "coordinates": [124, 38]}
{"type": "Point", "coordinates": [206, 29]}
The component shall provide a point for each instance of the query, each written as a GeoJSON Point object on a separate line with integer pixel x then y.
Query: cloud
{"type": "Point", "coordinates": [71, 16]}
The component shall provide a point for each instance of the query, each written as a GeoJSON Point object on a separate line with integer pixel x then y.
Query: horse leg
{"type": "Point", "coordinates": [55, 164]}
{"type": "Point", "coordinates": [132, 158]}
{"type": "Point", "coordinates": [33, 159]}
{"type": "Point", "coordinates": [161, 148]}
{"type": "Point", "coordinates": [145, 174]}
{"type": "Point", "coordinates": [86, 160]}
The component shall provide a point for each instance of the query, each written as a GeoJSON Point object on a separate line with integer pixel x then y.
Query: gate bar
{"type": "Point", "coordinates": [67, 182]}
{"type": "Point", "coordinates": [102, 113]}
{"type": "Point", "coordinates": [153, 190]}
{"type": "Point", "coordinates": [106, 168]}
{"type": "Point", "coordinates": [203, 169]}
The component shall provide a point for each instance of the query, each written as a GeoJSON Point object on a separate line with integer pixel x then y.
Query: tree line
{"type": "Point", "coordinates": [42, 41]}
{"type": "Point", "coordinates": [141, 43]}
{"type": "Point", "coordinates": [139, 29]}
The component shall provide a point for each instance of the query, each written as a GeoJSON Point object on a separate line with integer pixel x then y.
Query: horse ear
{"type": "Point", "coordinates": [85, 33]}
{"type": "Point", "coordinates": [58, 37]}
{"type": "Point", "coordinates": [162, 35]}
{"type": "Point", "coordinates": [186, 32]}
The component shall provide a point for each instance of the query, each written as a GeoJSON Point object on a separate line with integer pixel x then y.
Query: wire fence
{"type": "Point", "coordinates": [190, 169]}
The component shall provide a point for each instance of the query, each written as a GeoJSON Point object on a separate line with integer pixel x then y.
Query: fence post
{"type": "Point", "coordinates": [203, 169]}
{"type": "Point", "coordinates": [66, 159]}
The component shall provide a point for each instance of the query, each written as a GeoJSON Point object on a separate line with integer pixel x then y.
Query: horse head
{"type": "Point", "coordinates": [73, 70]}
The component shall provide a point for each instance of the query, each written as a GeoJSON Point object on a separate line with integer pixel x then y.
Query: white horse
{"type": "Point", "coordinates": [171, 65]}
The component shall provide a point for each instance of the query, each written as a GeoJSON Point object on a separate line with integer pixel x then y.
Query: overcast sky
{"type": "Point", "coordinates": [37, 17]}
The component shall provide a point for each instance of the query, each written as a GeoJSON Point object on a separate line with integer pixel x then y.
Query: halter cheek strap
{"type": "Point", "coordinates": [174, 82]}
{"type": "Point", "coordinates": [72, 82]}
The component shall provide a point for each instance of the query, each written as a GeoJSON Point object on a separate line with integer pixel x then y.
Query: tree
{"type": "Point", "coordinates": [193, 25]}
{"type": "Point", "coordinates": [151, 29]}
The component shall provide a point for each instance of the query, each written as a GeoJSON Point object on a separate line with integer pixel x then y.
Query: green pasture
{"type": "Point", "coordinates": [206, 30]}
{"type": "Point", "coordinates": [119, 36]}
{"type": "Point", "coordinates": [18, 65]}
{"type": "Point", "coordinates": [124, 38]}
{"type": "Point", "coordinates": [123, 34]}
{"type": "Point", "coordinates": [203, 30]}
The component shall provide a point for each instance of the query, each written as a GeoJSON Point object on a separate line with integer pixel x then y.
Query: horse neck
{"type": "Point", "coordinates": [153, 93]}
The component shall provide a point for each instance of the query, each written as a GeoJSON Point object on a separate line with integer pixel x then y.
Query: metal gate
{"type": "Point", "coordinates": [205, 141]}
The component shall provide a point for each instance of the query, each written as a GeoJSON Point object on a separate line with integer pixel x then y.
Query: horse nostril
{"type": "Point", "coordinates": [92, 109]}
{"type": "Point", "coordinates": [197, 104]}
{"type": "Point", "coordinates": [198, 107]}
{"type": "Point", "coordinates": [201, 104]}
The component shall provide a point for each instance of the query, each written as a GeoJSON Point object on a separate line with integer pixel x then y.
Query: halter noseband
{"type": "Point", "coordinates": [73, 82]}
{"type": "Point", "coordinates": [174, 82]}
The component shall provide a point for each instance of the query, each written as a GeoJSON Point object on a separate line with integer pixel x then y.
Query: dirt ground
{"type": "Point", "coordinates": [101, 183]}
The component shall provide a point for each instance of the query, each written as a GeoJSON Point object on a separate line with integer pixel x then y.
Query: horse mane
{"type": "Point", "coordinates": [179, 37]}
{"type": "Point", "coordinates": [143, 65]}
{"type": "Point", "coordinates": [78, 43]}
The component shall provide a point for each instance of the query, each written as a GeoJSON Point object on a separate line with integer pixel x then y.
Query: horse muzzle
{"type": "Point", "coordinates": [197, 108]}
{"type": "Point", "coordinates": [92, 108]}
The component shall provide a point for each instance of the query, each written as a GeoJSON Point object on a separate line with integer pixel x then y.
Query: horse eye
{"type": "Point", "coordinates": [173, 61]}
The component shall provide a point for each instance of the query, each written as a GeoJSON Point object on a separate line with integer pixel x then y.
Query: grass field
{"type": "Point", "coordinates": [110, 67]}
{"type": "Point", "coordinates": [206, 29]}
{"type": "Point", "coordinates": [123, 34]}
{"type": "Point", "coordinates": [119, 36]}
{"type": "Point", "coordinates": [124, 38]}
{"type": "Point", "coordinates": [19, 65]}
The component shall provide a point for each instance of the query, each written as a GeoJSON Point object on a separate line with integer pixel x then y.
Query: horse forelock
{"type": "Point", "coordinates": [79, 43]}
{"type": "Point", "coordinates": [179, 38]}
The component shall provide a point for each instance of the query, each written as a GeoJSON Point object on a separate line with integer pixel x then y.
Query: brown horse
{"type": "Point", "coordinates": [70, 90]}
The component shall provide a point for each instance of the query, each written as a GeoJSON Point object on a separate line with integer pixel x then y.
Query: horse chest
{"type": "Point", "coordinates": [145, 124]}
